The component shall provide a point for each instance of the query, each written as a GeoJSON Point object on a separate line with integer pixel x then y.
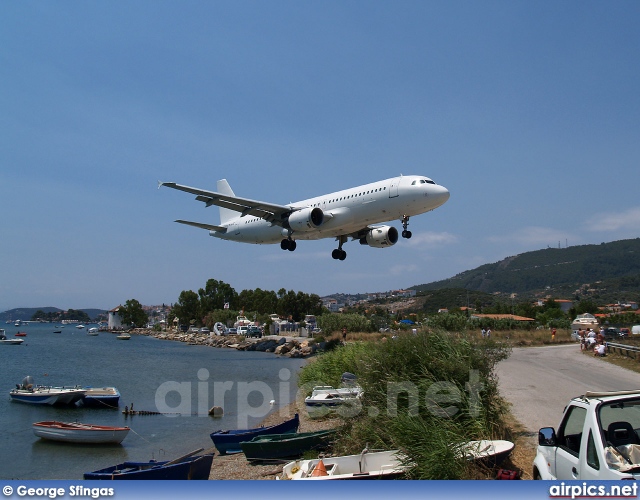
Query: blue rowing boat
{"type": "Point", "coordinates": [185, 467]}
{"type": "Point", "coordinates": [229, 441]}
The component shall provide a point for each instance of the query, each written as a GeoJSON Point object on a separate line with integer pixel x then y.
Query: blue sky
{"type": "Point", "coordinates": [528, 112]}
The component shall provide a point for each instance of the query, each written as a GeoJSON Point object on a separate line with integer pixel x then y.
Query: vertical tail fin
{"type": "Point", "coordinates": [225, 214]}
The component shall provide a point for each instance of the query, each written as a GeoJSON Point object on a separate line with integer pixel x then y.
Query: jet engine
{"type": "Point", "coordinates": [380, 237]}
{"type": "Point", "coordinates": [306, 219]}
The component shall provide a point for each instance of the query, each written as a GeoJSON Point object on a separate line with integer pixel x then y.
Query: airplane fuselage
{"type": "Point", "coordinates": [347, 211]}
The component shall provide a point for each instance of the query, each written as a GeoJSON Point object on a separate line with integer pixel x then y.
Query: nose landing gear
{"type": "Point", "coordinates": [405, 223]}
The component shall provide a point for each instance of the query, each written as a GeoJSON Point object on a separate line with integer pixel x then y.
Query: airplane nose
{"type": "Point", "coordinates": [442, 195]}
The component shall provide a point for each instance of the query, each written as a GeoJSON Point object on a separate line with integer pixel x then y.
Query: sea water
{"type": "Point", "coordinates": [181, 380]}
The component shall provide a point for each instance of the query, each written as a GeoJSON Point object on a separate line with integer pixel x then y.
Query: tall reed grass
{"type": "Point", "coordinates": [424, 394]}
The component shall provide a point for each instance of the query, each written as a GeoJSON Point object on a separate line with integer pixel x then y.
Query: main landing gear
{"type": "Point", "coordinates": [288, 244]}
{"type": "Point", "coordinates": [339, 253]}
{"type": "Point", "coordinates": [405, 223]}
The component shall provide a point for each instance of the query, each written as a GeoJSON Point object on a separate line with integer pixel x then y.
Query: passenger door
{"type": "Point", "coordinates": [570, 437]}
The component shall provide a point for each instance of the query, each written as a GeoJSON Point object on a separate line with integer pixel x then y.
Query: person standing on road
{"type": "Point", "coordinates": [553, 335]}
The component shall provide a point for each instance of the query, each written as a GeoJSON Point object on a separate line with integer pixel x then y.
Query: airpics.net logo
{"type": "Point", "coordinates": [590, 490]}
{"type": "Point", "coordinates": [443, 399]}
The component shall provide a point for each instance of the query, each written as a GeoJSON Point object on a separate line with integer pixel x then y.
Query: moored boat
{"type": "Point", "coordinates": [100, 397]}
{"type": "Point", "coordinates": [27, 392]}
{"type": "Point", "coordinates": [366, 465]}
{"type": "Point", "coordinates": [228, 441]}
{"type": "Point", "coordinates": [6, 341]}
{"type": "Point", "coordinates": [92, 331]}
{"type": "Point", "coordinates": [21, 334]}
{"type": "Point", "coordinates": [186, 467]}
{"type": "Point", "coordinates": [75, 432]}
{"type": "Point", "coordinates": [123, 336]}
{"type": "Point", "coordinates": [280, 446]}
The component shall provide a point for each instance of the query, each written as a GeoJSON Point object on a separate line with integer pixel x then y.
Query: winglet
{"type": "Point", "coordinates": [160, 184]}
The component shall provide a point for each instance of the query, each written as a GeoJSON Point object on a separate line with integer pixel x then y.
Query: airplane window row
{"type": "Point", "coordinates": [353, 196]}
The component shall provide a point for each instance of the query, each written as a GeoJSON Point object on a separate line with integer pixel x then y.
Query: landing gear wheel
{"type": "Point", "coordinates": [335, 254]}
{"type": "Point", "coordinates": [405, 223]}
{"type": "Point", "coordinates": [288, 244]}
{"type": "Point", "coordinates": [343, 255]}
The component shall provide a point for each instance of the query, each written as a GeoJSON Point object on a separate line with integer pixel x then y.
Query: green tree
{"type": "Point", "coordinates": [133, 314]}
{"type": "Point", "coordinates": [188, 307]}
{"type": "Point", "coordinates": [214, 296]}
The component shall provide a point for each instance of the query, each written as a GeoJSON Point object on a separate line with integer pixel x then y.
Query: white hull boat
{"type": "Point", "coordinates": [123, 336]}
{"type": "Point", "coordinates": [6, 341]}
{"type": "Point", "coordinates": [75, 432]}
{"type": "Point", "coordinates": [27, 392]}
{"type": "Point", "coordinates": [325, 399]}
{"type": "Point", "coordinates": [366, 465]}
{"type": "Point", "coordinates": [92, 331]}
{"type": "Point", "coordinates": [490, 453]}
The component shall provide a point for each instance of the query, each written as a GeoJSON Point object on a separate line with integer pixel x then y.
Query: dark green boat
{"type": "Point", "coordinates": [281, 446]}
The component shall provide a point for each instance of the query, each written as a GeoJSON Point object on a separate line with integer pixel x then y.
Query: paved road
{"type": "Point", "coordinates": [540, 381]}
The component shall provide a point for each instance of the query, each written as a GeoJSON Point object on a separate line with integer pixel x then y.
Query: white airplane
{"type": "Point", "coordinates": [340, 215]}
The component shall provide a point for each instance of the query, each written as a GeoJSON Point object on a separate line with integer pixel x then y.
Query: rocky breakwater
{"type": "Point", "coordinates": [282, 346]}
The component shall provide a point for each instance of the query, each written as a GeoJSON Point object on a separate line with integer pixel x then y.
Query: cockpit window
{"type": "Point", "coordinates": [423, 181]}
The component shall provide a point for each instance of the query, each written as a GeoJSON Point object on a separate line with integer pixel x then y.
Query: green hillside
{"type": "Point", "coordinates": [608, 270]}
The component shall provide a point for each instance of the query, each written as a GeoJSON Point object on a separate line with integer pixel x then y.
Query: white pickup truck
{"type": "Point", "coordinates": [598, 438]}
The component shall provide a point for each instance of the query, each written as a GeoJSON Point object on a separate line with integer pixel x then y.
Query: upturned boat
{"type": "Point", "coordinates": [228, 441]}
{"type": "Point", "coordinates": [280, 446]}
{"type": "Point", "coordinates": [76, 432]}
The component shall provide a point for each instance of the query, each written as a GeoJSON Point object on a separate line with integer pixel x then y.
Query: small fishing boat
{"type": "Point", "coordinates": [75, 432]}
{"type": "Point", "coordinates": [229, 441]}
{"type": "Point", "coordinates": [21, 334]}
{"type": "Point", "coordinates": [185, 467]}
{"type": "Point", "coordinates": [100, 397]}
{"type": "Point", "coordinates": [490, 453]}
{"type": "Point", "coordinates": [123, 336]}
{"type": "Point", "coordinates": [366, 465]}
{"type": "Point", "coordinates": [279, 446]}
{"type": "Point", "coordinates": [27, 392]}
{"type": "Point", "coordinates": [6, 341]}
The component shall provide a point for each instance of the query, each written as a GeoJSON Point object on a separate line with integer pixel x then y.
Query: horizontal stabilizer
{"type": "Point", "coordinates": [201, 225]}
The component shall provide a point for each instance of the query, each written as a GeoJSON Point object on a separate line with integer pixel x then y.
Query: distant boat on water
{"type": "Point", "coordinates": [76, 432]}
{"type": "Point", "coordinates": [5, 341]}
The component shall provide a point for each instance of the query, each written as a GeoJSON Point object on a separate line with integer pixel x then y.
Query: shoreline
{"type": "Point", "coordinates": [288, 346]}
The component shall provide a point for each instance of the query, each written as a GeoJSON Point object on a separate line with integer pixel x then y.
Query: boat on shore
{"type": "Point", "coordinates": [6, 341]}
{"type": "Point", "coordinates": [100, 397]}
{"type": "Point", "coordinates": [228, 441]}
{"type": "Point", "coordinates": [325, 398]}
{"type": "Point", "coordinates": [281, 446]}
{"type": "Point", "coordinates": [27, 392]}
{"type": "Point", "coordinates": [490, 453]}
{"type": "Point", "coordinates": [185, 467]}
{"type": "Point", "coordinates": [76, 432]}
{"type": "Point", "coordinates": [366, 465]}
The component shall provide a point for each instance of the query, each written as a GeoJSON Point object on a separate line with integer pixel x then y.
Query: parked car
{"type": "Point", "coordinates": [625, 332]}
{"type": "Point", "coordinates": [613, 334]}
{"type": "Point", "coordinates": [242, 330]}
{"type": "Point", "coordinates": [205, 330]}
{"type": "Point", "coordinates": [231, 331]}
{"type": "Point", "coordinates": [254, 331]}
{"type": "Point", "coordinates": [184, 328]}
{"type": "Point", "coordinates": [193, 329]}
{"type": "Point", "coordinates": [598, 438]}
{"type": "Point", "coordinates": [635, 330]}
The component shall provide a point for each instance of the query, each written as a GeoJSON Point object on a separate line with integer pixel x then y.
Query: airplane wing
{"type": "Point", "coordinates": [267, 211]}
{"type": "Point", "coordinates": [210, 227]}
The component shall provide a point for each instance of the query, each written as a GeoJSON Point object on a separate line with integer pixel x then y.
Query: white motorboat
{"type": "Point", "coordinates": [325, 398]}
{"type": "Point", "coordinates": [27, 392]}
{"type": "Point", "coordinates": [6, 341]}
{"type": "Point", "coordinates": [92, 331]}
{"type": "Point", "coordinates": [366, 465]}
{"type": "Point", "coordinates": [123, 336]}
{"type": "Point", "coordinates": [75, 432]}
{"type": "Point", "coordinates": [584, 322]}
{"type": "Point", "coordinates": [80, 327]}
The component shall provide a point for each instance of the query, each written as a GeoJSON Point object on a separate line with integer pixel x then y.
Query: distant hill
{"type": "Point", "coordinates": [25, 313]}
{"type": "Point", "coordinates": [609, 270]}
